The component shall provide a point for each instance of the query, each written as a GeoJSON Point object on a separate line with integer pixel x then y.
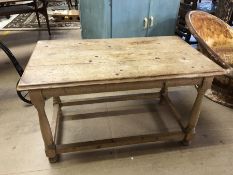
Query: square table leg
{"type": "Point", "coordinates": [39, 103]}
{"type": "Point", "coordinates": [52, 151]}
{"type": "Point", "coordinates": [196, 109]}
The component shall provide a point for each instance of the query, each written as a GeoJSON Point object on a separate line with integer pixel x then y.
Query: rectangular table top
{"type": "Point", "coordinates": [68, 63]}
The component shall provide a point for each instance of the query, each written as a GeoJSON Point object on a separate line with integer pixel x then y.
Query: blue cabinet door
{"type": "Point", "coordinates": [128, 18]}
{"type": "Point", "coordinates": [162, 17]}
{"type": "Point", "coordinates": [125, 18]}
{"type": "Point", "coordinates": [95, 18]}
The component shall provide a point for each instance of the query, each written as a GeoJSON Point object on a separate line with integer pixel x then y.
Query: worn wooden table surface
{"type": "Point", "coordinates": [58, 68]}
{"type": "Point", "coordinates": [84, 62]}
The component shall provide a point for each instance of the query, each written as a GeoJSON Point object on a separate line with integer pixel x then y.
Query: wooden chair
{"type": "Point", "coordinates": [215, 38]}
{"type": "Point", "coordinates": [29, 7]}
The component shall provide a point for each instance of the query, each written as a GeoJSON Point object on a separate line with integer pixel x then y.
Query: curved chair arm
{"type": "Point", "coordinates": [14, 61]}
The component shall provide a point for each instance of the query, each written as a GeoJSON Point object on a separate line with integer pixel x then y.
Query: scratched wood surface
{"type": "Point", "coordinates": [54, 64]}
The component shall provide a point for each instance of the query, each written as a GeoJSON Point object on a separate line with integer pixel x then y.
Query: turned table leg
{"type": "Point", "coordinates": [39, 103]}
{"type": "Point", "coordinates": [196, 109]}
{"type": "Point", "coordinates": [163, 92]}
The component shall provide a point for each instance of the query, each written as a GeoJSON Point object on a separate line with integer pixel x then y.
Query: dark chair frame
{"type": "Point", "coordinates": [30, 7]}
{"type": "Point", "coordinates": [24, 97]}
{"type": "Point", "coordinates": [181, 28]}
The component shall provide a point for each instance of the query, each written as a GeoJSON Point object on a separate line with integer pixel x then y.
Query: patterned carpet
{"type": "Point", "coordinates": [29, 22]}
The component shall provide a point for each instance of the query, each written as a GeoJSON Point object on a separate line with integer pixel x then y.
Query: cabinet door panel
{"type": "Point", "coordinates": [128, 16]}
{"type": "Point", "coordinates": [164, 13]}
{"type": "Point", "coordinates": [95, 18]}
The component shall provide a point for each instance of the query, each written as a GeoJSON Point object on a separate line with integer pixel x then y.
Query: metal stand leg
{"type": "Point", "coordinates": [44, 12]}
{"type": "Point", "coordinates": [76, 4]}
{"type": "Point", "coordinates": [47, 21]}
{"type": "Point", "coordinates": [22, 95]}
{"type": "Point", "coordinates": [37, 13]}
{"type": "Point", "coordinates": [38, 19]}
{"type": "Point", "coordinates": [69, 3]}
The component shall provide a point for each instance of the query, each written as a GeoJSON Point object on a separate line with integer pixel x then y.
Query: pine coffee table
{"type": "Point", "coordinates": [62, 68]}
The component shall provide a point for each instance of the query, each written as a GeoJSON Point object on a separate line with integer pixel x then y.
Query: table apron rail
{"type": "Point", "coordinates": [107, 143]}
{"type": "Point", "coordinates": [98, 88]}
{"type": "Point", "coordinates": [141, 96]}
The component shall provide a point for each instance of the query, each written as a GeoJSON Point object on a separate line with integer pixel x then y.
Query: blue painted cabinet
{"type": "Point", "coordinates": [128, 18]}
{"type": "Point", "coordinates": [95, 18]}
{"type": "Point", "coordinates": [164, 14]}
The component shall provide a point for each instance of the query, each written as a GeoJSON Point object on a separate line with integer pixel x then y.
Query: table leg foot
{"type": "Point", "coordinates": [161, 100]}
{"type": "Point", "coordinates": [54, 159]}
{"type": "Point", "coordinates": [185, 142]}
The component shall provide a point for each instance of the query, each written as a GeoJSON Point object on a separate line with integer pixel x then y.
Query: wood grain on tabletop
{"type": "Point", "coordinates": [96, 61]}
